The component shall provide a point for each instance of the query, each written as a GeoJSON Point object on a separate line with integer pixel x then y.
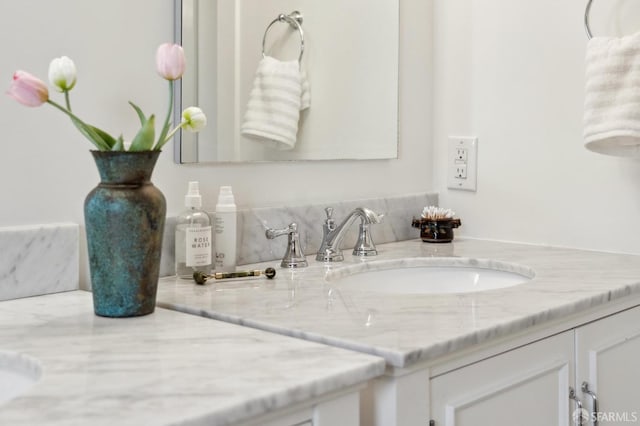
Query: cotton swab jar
{"type": "Point", "coordinates": [436, 224]}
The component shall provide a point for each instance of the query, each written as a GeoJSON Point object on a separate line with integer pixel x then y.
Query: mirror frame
{"type": "Point", "coordinates": [182, 137]}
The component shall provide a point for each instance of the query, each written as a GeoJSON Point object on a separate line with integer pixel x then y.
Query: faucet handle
{"type": "Point", "coordinates": [365, 246]}
{"type": "Point", "coordinates": [329, 212]}
{"type": "Point", "coordinates": [330, 222]}
{"type": "Point", "coordinates": [272, 233]}
{"type": "Point", "coordinates": [293, 257]}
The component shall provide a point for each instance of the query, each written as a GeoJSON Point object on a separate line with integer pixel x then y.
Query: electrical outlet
{"type": "Point", "coordinates": [461, 154]}
{"type": "Point", "coordinates": [462, 163]}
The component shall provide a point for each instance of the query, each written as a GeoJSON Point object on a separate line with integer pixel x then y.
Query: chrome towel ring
{"type": "Point", "coordinates": [294, 19]}
{"type": "Point", "coordinates": [586, 20]}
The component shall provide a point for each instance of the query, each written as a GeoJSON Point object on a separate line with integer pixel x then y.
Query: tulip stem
{"type": "Point", "coordinates": [173, 132]}
{"type": "Point", "coordinates": [66, 111]}
{"type": "Point", "coordinates": [89, 132]}
{"type": "Point", "coordinates": [67, 101]}
{"type": "Point", "coordinates": [163, 138]}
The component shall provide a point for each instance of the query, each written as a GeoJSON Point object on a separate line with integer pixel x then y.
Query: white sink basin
{"type": "Point", "coordinates": [429, 276]}
{"type": "Point", "coordinates": [18, 373]}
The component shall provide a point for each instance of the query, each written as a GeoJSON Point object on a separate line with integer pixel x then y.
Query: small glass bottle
{"type": "Point", "coordinates": [193, 245]}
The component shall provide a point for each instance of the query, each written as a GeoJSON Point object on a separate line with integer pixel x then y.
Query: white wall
{"type": "Point", "coordinates": [507, 71]}
{"type": "Point", "coordinates": [46, 170]}
{"type": "Point", "coordinates": [512, 73]}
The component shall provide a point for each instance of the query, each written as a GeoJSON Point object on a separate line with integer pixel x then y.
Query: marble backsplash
{"type": "Point", "coordinates": [38, 259]}
{"type": "Point", "coordinates": [42, 259]}
{"type": "Point", "coordinates": [254, 247]}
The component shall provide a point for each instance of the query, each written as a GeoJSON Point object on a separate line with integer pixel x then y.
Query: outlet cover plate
{"type": "Point", "coordinates": [468, 145]}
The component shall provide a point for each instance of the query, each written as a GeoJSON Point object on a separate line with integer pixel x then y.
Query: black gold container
{"type": "Point", "coordinates": [436, 230]}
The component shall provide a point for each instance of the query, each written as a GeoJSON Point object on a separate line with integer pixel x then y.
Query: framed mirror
{"type": "Point", "coordinates": [350, 62]}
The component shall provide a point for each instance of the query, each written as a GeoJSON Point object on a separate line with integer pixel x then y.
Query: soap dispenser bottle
{"type": "Point", "coordinates": [225, 225]}
{"type": "Point", "coordinates": [193, 248]}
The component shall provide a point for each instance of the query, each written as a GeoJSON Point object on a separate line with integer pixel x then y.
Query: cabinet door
{"type": "Point", "coordinates": [528, 386]}
{"type": "Point", "coordinates": [607, 358]}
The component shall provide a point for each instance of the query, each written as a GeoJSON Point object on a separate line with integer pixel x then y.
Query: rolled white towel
{"type": "Point", "coordinates": [280, 91]}
{"type": "Point", "coordinates": [612, 96]}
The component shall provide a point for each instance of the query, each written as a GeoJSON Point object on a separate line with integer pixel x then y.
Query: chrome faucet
{"type": "Point", "coordinates": [333, 235]}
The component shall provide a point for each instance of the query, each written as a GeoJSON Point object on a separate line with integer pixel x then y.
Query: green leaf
{"type": "Point", "coordinates": [90, 134]}
{"type": "Point", "coordinates": [141, 116]}
{"type": "Point", "coordinates": [119, 145]}
{"type": "Point", "coordinates": [106, 137]}
{"type": "Point", "coordinates": [143, 141]}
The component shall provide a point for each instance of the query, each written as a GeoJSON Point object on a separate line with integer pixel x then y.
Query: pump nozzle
{"type": "Point", "coordinates": [193, 197]}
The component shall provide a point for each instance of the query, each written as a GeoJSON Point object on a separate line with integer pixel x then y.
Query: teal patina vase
{"type": "Point", "coordinates": [124, 219]}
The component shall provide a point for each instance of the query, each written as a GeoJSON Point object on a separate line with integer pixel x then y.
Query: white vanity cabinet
{"type": "Point", "coordinates": [530, 385]}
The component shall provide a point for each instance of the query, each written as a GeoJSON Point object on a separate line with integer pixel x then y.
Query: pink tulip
{"type": "Point", "coordinates": [28, 90]}
{"type": "Point", "coordinates": [170, 61]}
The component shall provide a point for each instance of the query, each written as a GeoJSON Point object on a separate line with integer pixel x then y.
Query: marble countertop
{"type": "Point", "coordinates": [166, 368]}
{"type": "Point", "coordinates": [408, 328]}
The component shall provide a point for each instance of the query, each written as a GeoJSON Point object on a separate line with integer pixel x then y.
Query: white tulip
{"type": "Point", "coordinates": [62, 74]}
{"type": "Point", "coordinates": [193, 119]}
